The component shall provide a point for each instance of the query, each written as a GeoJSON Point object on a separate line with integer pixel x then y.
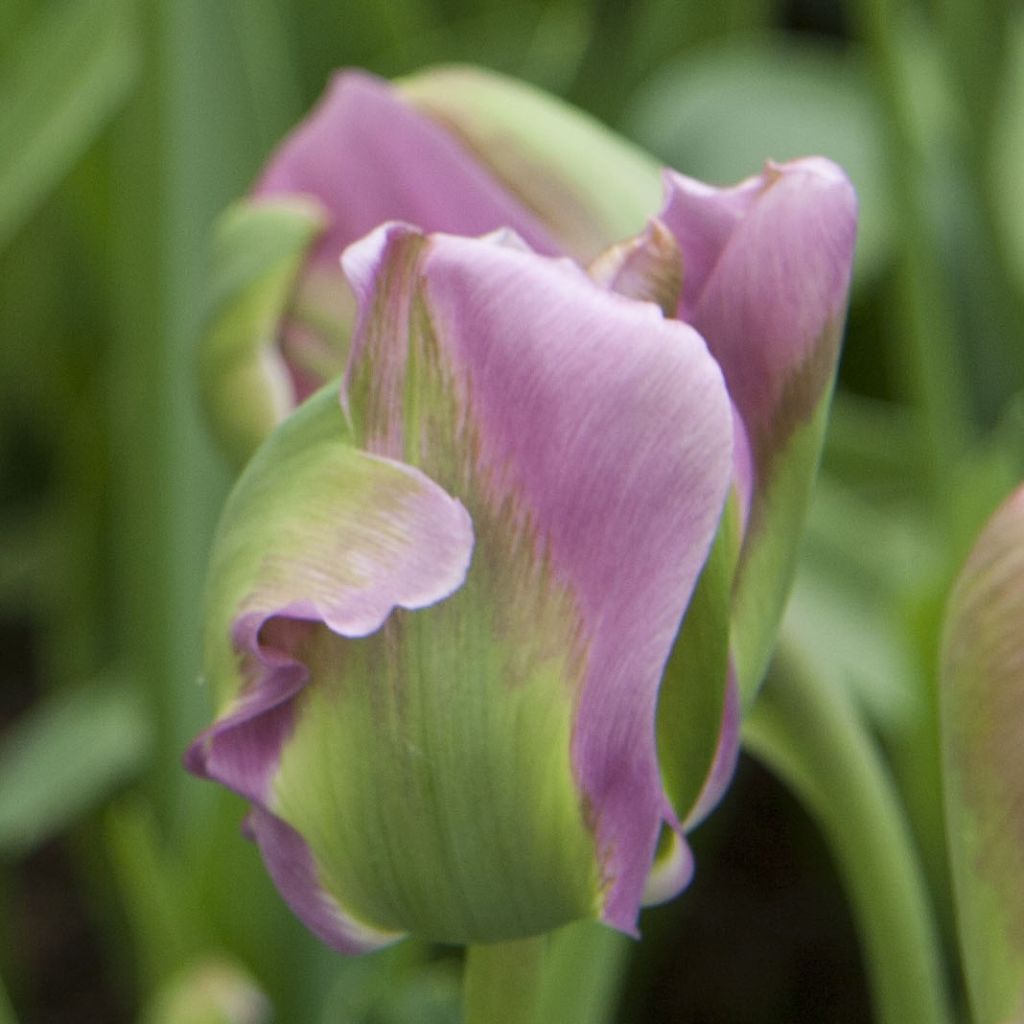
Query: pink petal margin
{"type": "Point", "coordinates": [293, 870]}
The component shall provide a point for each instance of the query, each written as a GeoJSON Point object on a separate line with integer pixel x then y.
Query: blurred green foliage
{"type": "Point", "coordinates": [127, 125]}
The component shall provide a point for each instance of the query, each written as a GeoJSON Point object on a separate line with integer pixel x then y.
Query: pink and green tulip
{"type": "Point", "coordinates": [444, 615]}
{"type": "Point", "coordinates": [440, 608]}
{"type": "Point", "coordinates": [982, 703]}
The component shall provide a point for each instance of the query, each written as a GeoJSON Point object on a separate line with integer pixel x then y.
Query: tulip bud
{"type": "Point", "coordinates": [762, 269]}
{"type": "Point", "coordinates": [439, 612]}
{"type": "Point", "coordinates": [982, 707]}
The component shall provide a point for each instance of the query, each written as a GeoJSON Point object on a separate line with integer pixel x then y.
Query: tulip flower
{"type": "Point", "coordinates": [982, 705]}
{"type": "Point", "coordinates": [440, 608]}
{"type": "Point", "coordinates": [761, 270]}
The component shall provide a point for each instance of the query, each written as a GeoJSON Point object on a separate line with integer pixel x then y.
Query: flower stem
{"type": "Point", "coordinates": [931, 363]}
{"type": "Point", "coordinates": [809, 733]}
{"type": "Point", "coordinates": [584, 967]}
{"type": "Point", "coordinates": [503, 982]}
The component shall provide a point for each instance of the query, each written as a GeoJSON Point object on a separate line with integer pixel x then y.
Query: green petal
{"type": "Point", "coordinates": [259, 249]}
{"type": "Point", "coordinates": [317, 530]}
{"type": "Point", "coordinates": [691, 702]}
{"type": "Point", "coordinates": [434, 803]}
{"type": "Point", "coordinates": [590, 187]}
{"type": "Point", "coordinates": [770, 548]}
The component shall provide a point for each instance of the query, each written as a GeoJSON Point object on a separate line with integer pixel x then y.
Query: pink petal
{"type": "Point", "coordinates": [766, 270]}
{"type": "Point", "coordinates": [369, 157]}
{"type": "Point", "coordinates": [589, 425]}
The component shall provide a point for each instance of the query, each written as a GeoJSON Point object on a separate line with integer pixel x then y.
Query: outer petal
{"type": "Point", "coordinates": [247, 386]}
{"type": "Point", "coordinates": [368, 157]}
{"type": "Point", "coordinates": [589, 186]}
{"type": "Point", "coordinates": [982, 704]}
{"type": "Point", "coordinates": [315, 531]}
{"type": "Point", "coordinates": [697, 709]}
{"type": "Point", "coordinates": [766, 270]}
{"type": "Point", "coordinates": [591, 441]}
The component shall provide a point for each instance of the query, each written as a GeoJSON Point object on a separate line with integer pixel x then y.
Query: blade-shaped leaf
{"type": "Point", "coordinates": [71, 73]}
{"type": "Point", "coordinates": [65, 756]}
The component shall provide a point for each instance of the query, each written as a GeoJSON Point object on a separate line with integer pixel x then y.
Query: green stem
{"type": "Point", "coordinates": [584, 967]}
{"type": "Point", "coordinates": [928, 343]}
{"type": "Point", "coordinates": [503, 982]}
{"type": "Point", "coordinates": [809, 733]}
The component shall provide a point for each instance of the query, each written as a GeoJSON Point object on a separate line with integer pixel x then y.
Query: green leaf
{"type": "Point", "coordinates": [719, 112]}
{"type": "Point", "coordinates": [808, 731]}
{"type": "Point", "coordinates": [72, 71]}
{"type": "Point", "coordinates": [864, 653]}
{"type": "Point", "coordinates": [65, 757]}
{"type": "Point", "coordinates": [1008, 142]}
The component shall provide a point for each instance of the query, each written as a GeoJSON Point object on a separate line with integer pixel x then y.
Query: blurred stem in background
{"type": "Point", "coordinates": [809, 733]}
{"type": "Point", "coordinates": [926, 343]}
{"type": "Point", "coordinates": [977, 43]}
{"type": "Point", "coordinates": [6, 1010]}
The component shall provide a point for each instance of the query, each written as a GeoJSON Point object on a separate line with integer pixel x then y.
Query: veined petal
{"type": "Point", "coordinates": [702, 218]}
{"type": "Point", "coordinates": [363, 156]}
{"type": "Point", "coordinates": [291, 866]}
{"type": "Point", "coordinates": [315, 531]}
{"type": "Point", "coordinates": [247, 386]}
{"type": "Point", "coordinates": [776, 292]}
{"type": "Point", "coordinates": [591, 441]}
{"type": "Point", "coordinates": [766, 273]}
{"type": "Point", "coordinates": [982, 706]}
